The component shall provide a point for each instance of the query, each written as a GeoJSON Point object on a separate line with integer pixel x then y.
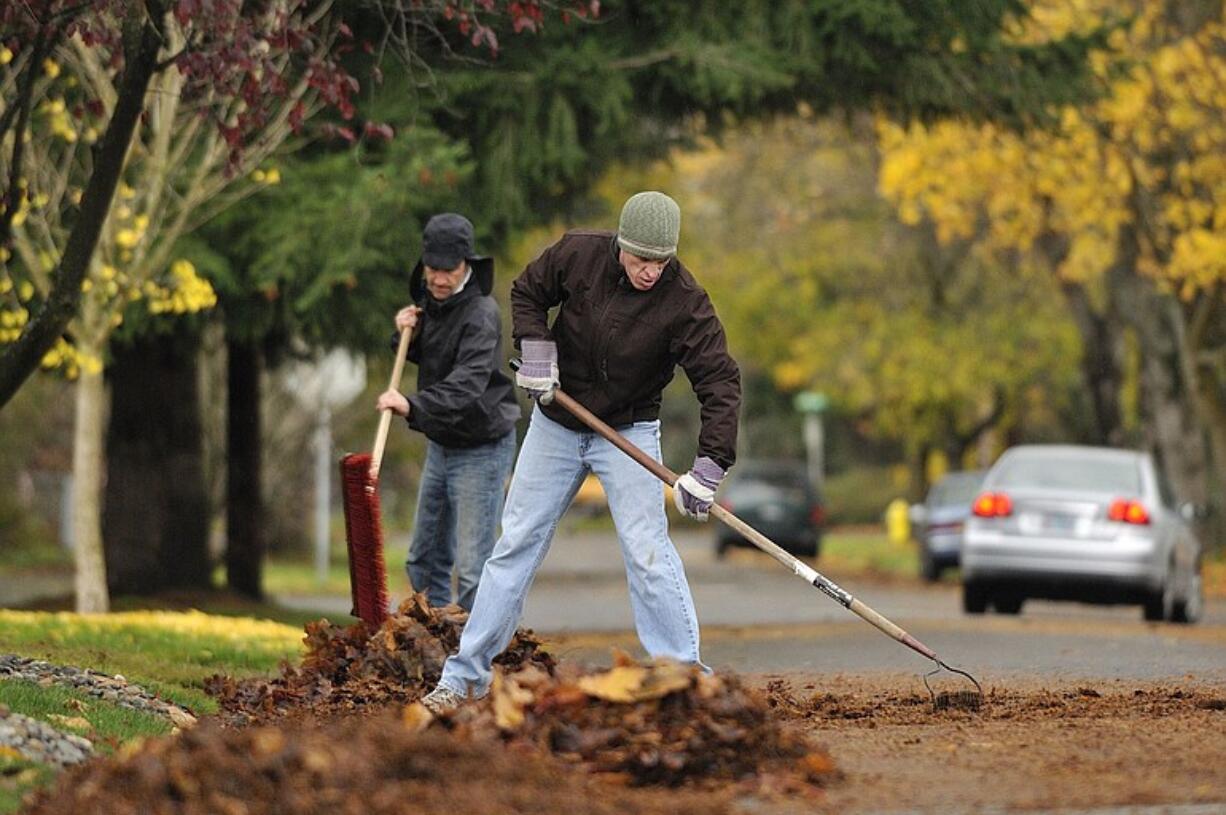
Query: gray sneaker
{"type": "Point", "coordinates": [442, 700]}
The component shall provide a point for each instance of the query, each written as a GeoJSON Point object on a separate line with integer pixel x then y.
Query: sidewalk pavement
{"type": "Point", "coordinates": [22, 590]}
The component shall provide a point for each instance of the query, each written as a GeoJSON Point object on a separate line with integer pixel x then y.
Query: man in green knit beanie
{"type": "Point", "coordinates": [629, 312]}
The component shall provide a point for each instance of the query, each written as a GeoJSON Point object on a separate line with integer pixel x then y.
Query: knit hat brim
{"type": "Point", "coordinates": [647, 252]}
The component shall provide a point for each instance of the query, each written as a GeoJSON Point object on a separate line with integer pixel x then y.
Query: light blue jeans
{"type": "Point", "coordinates": [456, 524]}
{"type": "Point", "coordinates": [552, 464]}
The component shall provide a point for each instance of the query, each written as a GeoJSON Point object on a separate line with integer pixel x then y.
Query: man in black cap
{"type": "Point", "coordinates": [465, 405]}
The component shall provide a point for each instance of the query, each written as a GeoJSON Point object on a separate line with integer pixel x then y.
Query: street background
{"type": "Point", "coordinates": [758, 617]}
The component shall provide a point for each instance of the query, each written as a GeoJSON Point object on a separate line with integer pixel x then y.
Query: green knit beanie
{"type": "Point", "coordinates": [650, 225]}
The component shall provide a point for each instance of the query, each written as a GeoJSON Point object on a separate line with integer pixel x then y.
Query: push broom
{"type": "Point", "coordinates": [964, 699]}
{"type": "Point", "coordinates": [363, 526]}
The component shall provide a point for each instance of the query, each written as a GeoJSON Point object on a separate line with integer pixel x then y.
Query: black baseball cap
{"type": "Point", "coordinates": [447, 240]}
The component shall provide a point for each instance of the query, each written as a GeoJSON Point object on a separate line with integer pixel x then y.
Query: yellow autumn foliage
{"type": "Point", "coordinates": [183, 293]}
{"type": "Point", "coordinates": [1151, 155]}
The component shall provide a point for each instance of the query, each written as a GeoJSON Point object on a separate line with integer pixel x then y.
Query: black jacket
{"type": "Point", "coordinates": [463, 397]}
{"type": "Point", "coordinates": [618, 347]}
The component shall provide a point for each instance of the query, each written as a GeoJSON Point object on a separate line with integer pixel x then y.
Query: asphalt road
{"type": "Point", "coordinates": [757, 616]}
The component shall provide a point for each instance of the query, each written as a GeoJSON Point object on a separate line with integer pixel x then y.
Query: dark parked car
{"type": "Point", "coordinates": [940, 520]}
{"type": "Point", "coordinates": [777, 499]}
{"type": "Point", "coordinates": [1094, 524]}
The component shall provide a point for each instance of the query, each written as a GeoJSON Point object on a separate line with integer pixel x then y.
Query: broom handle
{"type": "Point", "coordinates": [385, 420]}
{"type": "Point", "coordinates": [800, 568]}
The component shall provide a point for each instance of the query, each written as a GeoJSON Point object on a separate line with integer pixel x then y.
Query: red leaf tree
{"type": "Point", "coordinates": [173, 104]}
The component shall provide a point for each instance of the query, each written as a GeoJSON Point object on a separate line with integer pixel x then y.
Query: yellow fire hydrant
{"type": "Point", "coordinates": [898, 522]}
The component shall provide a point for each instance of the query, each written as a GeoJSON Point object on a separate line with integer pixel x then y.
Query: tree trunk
{"type": "Point", "coordinates": [958, 444]}
{"type": "Point", "coordinates": [917, 461]}
{"type": "Point", "coordinates": [1101, 369]}
{"type": "Point", "coordinates": [1173, 428]}
{"type": "Point", "coordinates": [244, 502]}
{"type": "Point", "coordinates": [156, 518]}
{"type": "Point", "coordinates": [91, 593]}
{"type": "Point", "coordinates": [1199, 331]}
{"type": "Point", "coordinates": [1212, 407]}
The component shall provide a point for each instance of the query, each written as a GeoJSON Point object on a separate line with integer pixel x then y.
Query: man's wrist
{"type": "Point", "coordinates": [707, 472]}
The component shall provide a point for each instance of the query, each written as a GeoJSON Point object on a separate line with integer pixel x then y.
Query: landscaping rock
{"type": "Point", "coordinates": [38, 741]}
{"type": "Point", "coordinates": [114, 689]}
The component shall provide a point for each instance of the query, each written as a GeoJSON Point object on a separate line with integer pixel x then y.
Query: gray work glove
{"type": "Point", "coordinates": [538, 370]}
{"type": "Point", "coordinates": [694, 492]}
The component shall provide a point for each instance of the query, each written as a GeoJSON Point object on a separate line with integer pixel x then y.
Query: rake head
{"type": "Point", "coordinates": [963, 699]}
{"type": "Point", "coordinates": [364, 536]}
{"type": "Point", "coordinates": [957, 700]}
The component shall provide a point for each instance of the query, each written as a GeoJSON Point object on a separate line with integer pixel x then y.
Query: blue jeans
{"type": "Point", "coordinates": [458, 505]}
{"type": "Point", "coordinates": [552, 464]}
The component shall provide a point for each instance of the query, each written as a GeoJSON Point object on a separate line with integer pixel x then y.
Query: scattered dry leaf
{"type": "Point", "coordinates": [181, 718]}
{"type": "Point", "coordinates": [415, 717]}
{"type": "Point", "coordinates": [635, 683]}
{"type": "Point", "coordinates": [509, 700]}
{"type": "Point", "coordinates": [81, 725]}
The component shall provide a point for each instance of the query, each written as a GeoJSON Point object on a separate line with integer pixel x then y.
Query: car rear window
{"type": "Point", "coordinates": [1115, 475]}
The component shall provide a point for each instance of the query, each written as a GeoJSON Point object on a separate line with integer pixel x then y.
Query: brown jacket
{"type": "Point", "coordinates": [618, 346]}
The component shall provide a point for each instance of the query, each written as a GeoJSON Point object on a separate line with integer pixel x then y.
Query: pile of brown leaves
{"type": "Point", "coordinates": [354, 669]}
{"type": "Point", "coordinates": [660, 723]}
{"type": "Point", "coordinates": [351, 766]}
{"type": "Point", "coordinates": [654, 724]}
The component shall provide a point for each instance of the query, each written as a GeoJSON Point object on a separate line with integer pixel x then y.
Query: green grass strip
{"type": "Point", "coordinates": [873, 553]}
{"type": "Point", "coordinates": [167, 653]}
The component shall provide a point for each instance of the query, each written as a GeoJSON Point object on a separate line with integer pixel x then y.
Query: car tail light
{"type": "Point", "coordinates": [817, 516]}
{"type": "Point", "coordinates": [725, 503]}
{"type": "Point", "coordinates": [1129, 512]}
{"type": "Point", "coordinates": [992, 505]}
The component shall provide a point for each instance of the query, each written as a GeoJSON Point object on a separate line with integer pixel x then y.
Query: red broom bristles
{"type": "Point", "coordinates": [364, 534]}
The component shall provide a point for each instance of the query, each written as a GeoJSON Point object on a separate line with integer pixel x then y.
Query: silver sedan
{"type": "Point", "coordinates": [1093, 524]}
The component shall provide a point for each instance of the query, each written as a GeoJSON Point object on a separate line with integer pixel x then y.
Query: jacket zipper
{"type": "Point", "coordinates": [601, 346]}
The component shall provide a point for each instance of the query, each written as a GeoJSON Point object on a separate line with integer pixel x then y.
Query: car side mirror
{"type": "Point", "coordinates": [917, 514]}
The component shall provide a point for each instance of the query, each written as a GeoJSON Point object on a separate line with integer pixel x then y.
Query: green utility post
{"type": "Point", "coordinates": [812, 404]}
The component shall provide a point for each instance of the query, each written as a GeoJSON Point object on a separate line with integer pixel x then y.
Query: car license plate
{"type": "Point", "coordinates": [772, 512]}
{"type": "Point", "coordinates": [1037, 523]}
{"type": "Point", "coordinates": [1059, 523]}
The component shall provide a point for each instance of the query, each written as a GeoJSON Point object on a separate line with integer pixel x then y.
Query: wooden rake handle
{"type": "Point", "coordinates": [385, 420]}
{"type": "Point", "coordinates": [798, 567]}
